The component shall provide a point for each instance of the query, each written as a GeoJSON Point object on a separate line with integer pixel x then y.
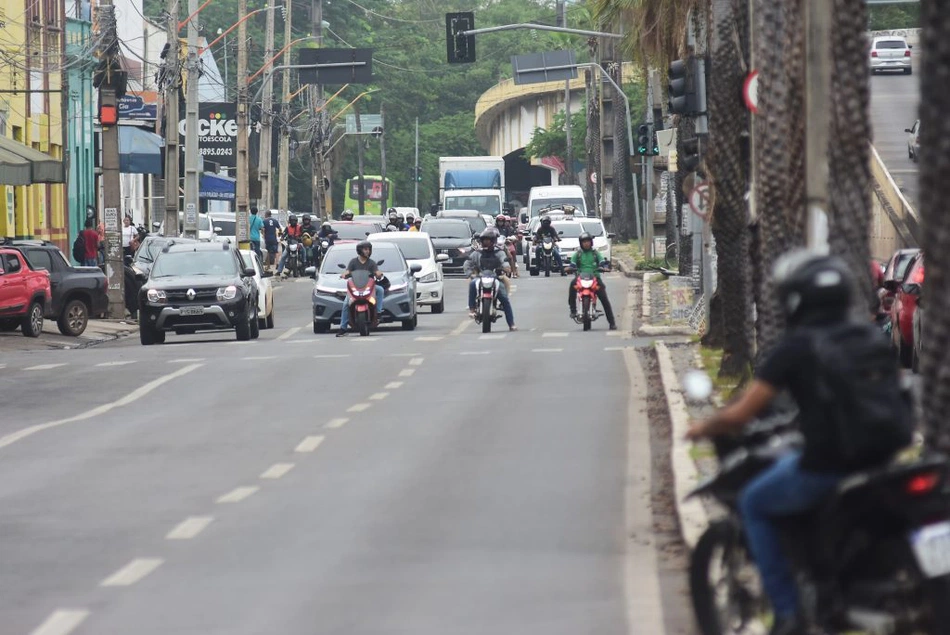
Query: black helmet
{"type": "Point", "coordinates": [545, 220]}
{"type": "Point", "coordinates": [326, 225]}
{"type": "Point", "coordinates": [585, 236]}
{"type": "Point", "coordinates": [346, 215]}
{"type": "Point", "coordinates": [392, 212]}
{"type": "Point", "coordinates": [292, 219]}
{"type": "Point", "coordinates": [306, 218]}
{"type": "Point", "coordinates": [490, 233]}
{"type": "Point", "coordinates": [364, 244]}
{"type": "Point", "coordinates": [811, 287]}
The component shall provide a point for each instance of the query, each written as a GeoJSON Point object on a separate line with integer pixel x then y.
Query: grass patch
{"type": "Point", "coordinates": [712, 360]}
{"type": "Point", "coordinates": [701, 451]}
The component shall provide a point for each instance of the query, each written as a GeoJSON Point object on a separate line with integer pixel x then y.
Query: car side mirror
{"type": "Point", "coordinates": [416, 267]}
{"type": "Point", "coordinates": [339, 264]}
{"type": "Point", "coordinates": [611, 235]}
{"type": "Point", "coordinates": [267, 274]}
{"type": "Point", "coordinates": [379, 263]}
{"type": "Point", "coordinates": [312, 271]}
{"type": "Point", "coordinates": [249, 272]}
{"type": "Point", "coordinates": [218, 229]}
{"type": "Point", "coordinates": [908, 130]}
{"type": "Point", "coordinates": [912, 288]}
{"type": "Point", "coordinates": [891, 285]}
{"type": "Point", "coordinates": [910, 46]}
{"type": "Point", "coordinates": [442, 258]}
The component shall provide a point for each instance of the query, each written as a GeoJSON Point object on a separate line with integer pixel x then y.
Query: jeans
{"type": "Point", "coordinates": [380, 293]}
{"type": "Point", "coordinates": [782, 490]}
{"type": "Point", "coordinates": [283, 258]}
{"type": "Point", "coordinates": [601, 295]}
{"type": "Point", "coordinates": [90, 262]}
{"type": "Point", "coordinates": [502, 298]}
{"type": "Point", "coordinates": [557, 257]}
{"type": "Point", "coordinates": [256, 248]}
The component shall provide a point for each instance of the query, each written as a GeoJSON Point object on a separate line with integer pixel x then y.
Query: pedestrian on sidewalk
{"type": "Point", "coordinates": [91, 239]}
{"type": "Point", "coordinates": [255, 230]}
{"type": "Point", "coordinates": [129, 234]}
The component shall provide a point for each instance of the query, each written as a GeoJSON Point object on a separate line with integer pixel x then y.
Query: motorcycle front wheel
{"type": "Point", "coordinates": [486, 315]}
{"type": "Point", "coordinates": [586, 313]}
{"type": "Point", "coordinates": [362, 322]}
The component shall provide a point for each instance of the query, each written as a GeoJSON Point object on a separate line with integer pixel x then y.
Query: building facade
{"type": "Point", "coordinates": [80, 116]}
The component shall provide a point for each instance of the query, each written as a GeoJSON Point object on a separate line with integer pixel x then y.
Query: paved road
{"type": "Point", "coordinates": [428, 482]}
{"type": "Point", "coordinates": [894, 101]}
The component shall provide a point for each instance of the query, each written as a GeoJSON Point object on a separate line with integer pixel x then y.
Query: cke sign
{"type": "Point", "coordinates": [217, 133]}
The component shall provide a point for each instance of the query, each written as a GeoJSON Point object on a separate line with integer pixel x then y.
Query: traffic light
{"type": "Point", "coordinates": [677, 88]}
{"type": "Point", "coordinates": [415, 174]}
{"type": "Point", "coordinates": [690, 158]}
{"type": "Point", "coordinates": [655, 146]}
{"type": "Point", "coordinates": [687, 87]}
{"type": "Point", "coordinates": [460, 49]}
{"type": "Point", "coordinates": [644, 139]}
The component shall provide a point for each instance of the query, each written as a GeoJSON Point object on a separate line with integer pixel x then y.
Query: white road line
{"type": "Point", "coordinates": [189, 528]}
{"type": "Point", "coordinates": [132, 572]}
{"type": "Point", "coordinates": [2, 366]}
{"type": "Point", "coordinates": [360, 407]}
{"type": "Point", "coordinates": [336, 423]}
{"type": "Point", "coordinates": [407, 372]}
{"type": "Point", "coordinates": [403, 354]}
{"type": "Point", "coordinates": [554, 334]}
{"type": "Point", "coordinates": [289, 333]}
{"type": "Point", "coordinates": [238, 494]}
{"type": "Point", "coordinates": [613, 348]}
{"type": "Point", "coordinates": [309, 444]}
{"type": "Point", "coordinates": [474, 353]}
{"type": "Point", "coordinates": [135, 395]}
{"type": "Point", "coordinates": [277, 470]}
{"type": "Point", "coordinates": [186, 360]}
{"type": "Point", "coordinates": [259, 359]}
{"type": "Point", "coordinates": [429, 338]}
{"type": "Point", "coordinates": [61, 622]}
{"type": "Point", "coordinates": [331, 356]}
{"type": "Point", "coordinates": [378, 396]}
{"type": "Point", "coordinates": [44, 367]}
{"type": "Point", "coordinates": [416, 361]}
{"type": "Point", "coordinates": [393, 385]}
{"type": "Point", "coordinates": [546, 350]}
{"type": "Point", "coordinates": [458, 330]}
{"type": "Point", "coordinates": [110, 364]}
{"type": "Point", "coordinates": [493, 336]}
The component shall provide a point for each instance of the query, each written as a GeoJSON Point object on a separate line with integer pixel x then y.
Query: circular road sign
{"type": "Point", "coordinates": [750, 92]}
{"type": "Point", "coordinates": [699, 200]}
{"type": "Point", "coordinates": [593, 177]}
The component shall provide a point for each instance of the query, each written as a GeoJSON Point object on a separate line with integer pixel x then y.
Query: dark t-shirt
{"type": "Point", "coordinates": [271, 227]}
{"type": "Point", "coordinates": [356, 265]}
{"type": "Point", "coordinates": [791, 365]}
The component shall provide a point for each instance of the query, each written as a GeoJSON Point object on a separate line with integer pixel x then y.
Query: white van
{"type": "Point", "coordinates": [544, 195]}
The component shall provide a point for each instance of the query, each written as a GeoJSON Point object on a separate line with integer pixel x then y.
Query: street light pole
{"type": "Point", "coordinates": [192, 158]}
{"type": "Point", "coordinates": [267, 105]}
{"type": "Point", "coordinates": [283, 154]}
{"type": "Point", "coordinates": [242, 217]}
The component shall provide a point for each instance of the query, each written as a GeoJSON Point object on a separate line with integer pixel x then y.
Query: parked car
{"type": "Point", "coordinates": [329, 291]}
{"type": "Point", "coordinates": [78, 293]}
{"type": "Point", "coordinates": [913, 141]}
{"type": "Point", "coordinates": [265, 290]}
{"type": "Point", "coordinates": [25, 293]}
{"type": "Point", "coordinates": [198, 287]}
{"type": "Point", "coordinates": [890, 53]}
{"type": "Point", "coordinates": [224, 225]}
{"type": "Point", "coordinates": [475, 219]}
{"type": "Point", "coordinates": [417, 249]}
{"type": "Point", "coordinates": [205, 228]}
{"type": "Point", "coordinates": [452, 237]}
{"type": "Point", "coordinates": [902, 310]}
{"type": "Point", "coordinates": [353, 231]}
{"type": "Point", "coordinates": [894, 273]}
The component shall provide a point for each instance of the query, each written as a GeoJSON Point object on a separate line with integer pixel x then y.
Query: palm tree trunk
{"type": "Point", "coordinates": [729, 170]}
{"type": "Point", "coordinates": [626, 229]}
{"type": "Point", "coordinates": [934, 193]}
{"type": "Point", "coordinates": [592, 142]}
{"type": "Point", "coordinates": [685, 129]}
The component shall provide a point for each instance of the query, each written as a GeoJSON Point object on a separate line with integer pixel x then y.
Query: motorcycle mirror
{"type": "Point", "coordinates": [697, 385]}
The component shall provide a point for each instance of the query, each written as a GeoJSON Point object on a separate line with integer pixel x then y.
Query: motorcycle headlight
{"type": "Point", "coordinates": [464, 250]}
{"type": "Point", "coordinates": [487, 281]}
{"type": "Point", "coordinates": [156, 295]}
{"type": "Point", "coordinates": [430, 277]}
{"type": "Point", "coordinates": [227, 293]}
{"type": "Point", "coordinates": [293, 247]}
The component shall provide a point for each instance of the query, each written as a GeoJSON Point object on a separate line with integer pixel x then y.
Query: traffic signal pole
{"type": "Point", "coordinates": [648, 185]}
{"type": "Point", "coordinates": [415, 184]}
{"type": "Point", "coordinates": [818, 15]}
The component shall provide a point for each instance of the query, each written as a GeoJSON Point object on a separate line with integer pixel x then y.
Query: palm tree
{"type": "Point", "coordinates": [934, 193]}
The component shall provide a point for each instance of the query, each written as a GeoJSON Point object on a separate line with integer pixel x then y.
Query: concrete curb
{"type": "Point", "coordinates": [691, 513]}
{"type": "Point", "coordinates": [659, 331]}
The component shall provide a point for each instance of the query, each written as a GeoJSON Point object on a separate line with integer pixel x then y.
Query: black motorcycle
{"type": "Point", "coordinates": [875, 557]}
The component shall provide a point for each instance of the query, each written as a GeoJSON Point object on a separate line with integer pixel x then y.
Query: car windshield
{"type": "Point", "coordinates": [149, 250]}
{"type": "Point", "coordinates": [352, 232]}
{"type": "Point", "coordinates": [451, 229]}
{"type": "Point", "coordinates": [482, 204]}
{"type": "Point", "coordinates": [227, 227]}
{"type": "Point", "coordinates": [540, 203]}
{"type": "Point", "coordinates": [594, 229]}
{"type": "Point", "coordinates": [204, 223]}
{"type": "Point", "coordinates": [194, 263]}
{"type": "Point", "coordinates": [412, 248]}
{"type": "Point", "coordinates": [392, 262]}
{"type": "Point", "coordinates": [477, 223]}
{"type": "Point", "coordinates": [891, 44]}
{"type": "Point", "coordinates": [568, 230]}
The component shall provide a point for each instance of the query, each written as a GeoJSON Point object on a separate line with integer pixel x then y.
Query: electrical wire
{"type": "Point", "coordinates": [393, 18]}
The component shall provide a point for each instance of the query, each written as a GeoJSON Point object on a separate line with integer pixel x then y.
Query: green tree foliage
{"type": "Point", "coordinates": [552, 142]}
{"type": "Point", "coordinates": [883, 17]}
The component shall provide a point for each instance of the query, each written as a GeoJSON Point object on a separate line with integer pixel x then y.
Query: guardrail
{"type": "Point", "coordinates": [895, 223]}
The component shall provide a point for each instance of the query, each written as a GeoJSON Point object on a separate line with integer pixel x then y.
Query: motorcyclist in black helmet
{"type": "Point", "coordinates": [394, 220]}
{"type": "Point", "coordinates": [490, 257]}
{"type": "Point", "coordinates": [363, 260]}
{"type": "Point", "coordinates": [589, 260]}
{"type": "Point", "coordinates": [546, 229]}
{"type": "Point", "coordinates": [346, 215]}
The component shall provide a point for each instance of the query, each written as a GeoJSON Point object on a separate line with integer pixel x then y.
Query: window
{"type": "Point", "coordinates": [891, 44]}
{"type": "Point", "coordinates": [40, 259]}
{"type": "Point", "coordinates": [11, 263]}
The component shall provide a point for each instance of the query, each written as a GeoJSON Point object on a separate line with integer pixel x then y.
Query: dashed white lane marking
{"type": "Point", "coordinates": [289, 333]}
{"type": "Point", "coordinates": [189, 528]}
{"type": "Point", "coordinates": [416, 361]}
{"type": "Point", "coordinates": [429, 338]}
{"type": "Point", "coordinates": [132, 572]}
{"type": "Point", "coordinates": [336, 423]}
{"type": "Point", "coordinates": [61, 622]}
{"type": "Point", "coordinates": [393, 385]}
{"type": "Point", "coordinates": [403, 354]}
{"type": "Point", "coordinates": [546, 350]}
{"type": "Point", "coordinates": [260, 358]}
{"type": "Point", "coordinates": [613, 333]}
{"type": "Point", "coordinates": [407, 372]}
{"type": "Point", "coordinates": [378, 396]}
{"type": "Point", "coordinates": [277, 470]}
{"type": "Point", "coordinates": [613, 348]}
{"type": "Point", "coordinates": [554, 334]}
{"type": "Point", "coordinates": [309, 444]}
{"type": "Point", "coordinates": [474, 353]}
{"type": "Point", "coordinates": [238, 494]}
{"type": "Point", "coordinates": [136, 394]}
{"type": "Point", "coordinates": [458, 330]}
{"type": "Point", "coordinates": [331, 356]}
{"type": "Point", "coordinates": [44, 367]}
{"type": "Point", "coordinates": [186, 360]}
{"type": "Point", "coordinates": [360, 407]}
{"type": "Point", "coordinates": [2, 366]}
{"type": "Point", "coordinates": [110, 364]}
{"type": "Point", "coordinates": [493, 336]}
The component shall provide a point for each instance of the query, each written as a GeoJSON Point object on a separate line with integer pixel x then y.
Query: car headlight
{"type": "Point", "coordinates": [156, 295]}
{"type": "Point", "coordinates": [227, 293]}
{"type": "Point", "coordinates": [325, 290]}
{"type": "Point", "coordinates": [430, 277]}
{"type": "Point", "coordinates": [398, 287]}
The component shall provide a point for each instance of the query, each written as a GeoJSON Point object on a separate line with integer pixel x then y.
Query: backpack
{"type": "Point", "coordinates": [859, 388]}
{"type": "Point", "coordinates": [79, 249]}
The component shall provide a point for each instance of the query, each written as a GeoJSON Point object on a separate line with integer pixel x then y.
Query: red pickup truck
{"type": "Point", "coordinates": [25, 294]}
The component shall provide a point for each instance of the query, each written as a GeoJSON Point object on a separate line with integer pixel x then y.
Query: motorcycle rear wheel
{"type": "Point", "coordinates": [586, 313]}
{"type": "Point", "coordinates": [486, 315]}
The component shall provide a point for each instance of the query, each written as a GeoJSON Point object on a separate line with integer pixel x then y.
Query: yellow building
{"type": "Point", "coordinates": [32, 37]}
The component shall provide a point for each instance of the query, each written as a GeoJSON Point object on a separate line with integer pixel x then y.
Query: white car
{"type": "Point", "coordinates": [205, 229]}
{"type": "Point", "coordinates": [265, 297]}
{"type": "Point", "coordinates": [224, 225]}
{"type": "Point", "coordinates": [891, 53]}
{"type": "Point", "coordinates": [569, 231]}
{"type": "Point", "coordinates": [417, 249]}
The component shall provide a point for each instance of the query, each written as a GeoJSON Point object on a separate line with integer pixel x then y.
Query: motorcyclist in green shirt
{"type": "Point", "coordinates": [589, 260]}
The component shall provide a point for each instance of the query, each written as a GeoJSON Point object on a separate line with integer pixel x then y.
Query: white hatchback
{"type": "Point", "coordinates": [265, 299]}
{"type": "Point", "coordinates": [890, 54]}
{"type": "Point", "coordinates": [417, 249]}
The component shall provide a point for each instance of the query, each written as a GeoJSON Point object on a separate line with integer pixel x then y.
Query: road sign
{"type": "Point", "coordinates": [336, 66]}
{"type": "Point", "coordinates": [550, 66]}
{"type": "Point", "coordinates": [699, 200]}
{"type": "Point", "coordinates": [750, 92]}
{"type": "Point", "coordinates": [593, 177]}
{"type": "Point", "coordinates": [368, 124]}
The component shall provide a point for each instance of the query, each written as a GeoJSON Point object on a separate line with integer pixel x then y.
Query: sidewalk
{"type": "Point", "coordinates": [97, 331]}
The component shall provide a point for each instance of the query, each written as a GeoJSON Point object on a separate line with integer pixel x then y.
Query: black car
{"type": "Point", "coordinates": [474, 218]}
{"type": "Point", "coordinates": [198, 287]}
{"type": "Point", "coordinates": [148, 251]}
{"type": "Point", "coordinates": [79, 293]}
{"type": "Point", "coordinates": [452, 237]}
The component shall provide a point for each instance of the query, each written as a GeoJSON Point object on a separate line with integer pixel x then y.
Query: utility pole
{"type": "Point", "coordinates": [569, 168]}
{"type": "Point", "coordinates": [111, 193]}
{"type": "Point", "coordinates": [817, 108]}
{"type": "Point", "coordinates": [317, 129]}
{"type": "Point", "coordinates": [267, 117]}
{"type": "Point", "coordinates": [192, 157]}
{"type": "Point", "coordinates": [382, 157]}
{"type": "Point", "coordinates": [359, 160]}
{"type": "Point", "coordinates": [283, 158]}
{"type": "Point", "coordinates": [648, 185]}
{"type": "Point", "coordinates": [241, 186]}
{"type": "Point", "coordinates": [172, 97]}
{"type": "Point", "coordinates": [415, 181]}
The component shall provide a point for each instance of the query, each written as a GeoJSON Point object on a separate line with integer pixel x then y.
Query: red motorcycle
{"type": "Point", "coordinates": [587, 286]}
{"type": "Point", "coordinates": [361, 289]}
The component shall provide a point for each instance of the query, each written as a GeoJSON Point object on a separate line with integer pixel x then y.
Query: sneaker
{"type": "Point", "coordinates": [613, 327]}
{"type": "Point", "coordinates": [574, 315]}
{"type": "Point", "coordinates": [512, 328]}
{"type": "Point", "coordinates": [341, 333]}
{"type": "Point", "coordinates": [471, 313]}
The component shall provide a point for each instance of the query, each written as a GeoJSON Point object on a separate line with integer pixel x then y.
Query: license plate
{"type": "Point", "coordinates": [361, 308]}
{"type": "Point", "coordinates": [193, 310]}
{"type": "Point", "coordinates": [931, 546]}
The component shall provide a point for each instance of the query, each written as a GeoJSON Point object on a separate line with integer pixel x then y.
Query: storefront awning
{"type": "Point", "coordinates": [140, 151]}
{"type": "Point", "coordinates": [42, 167]}
{"type": "Point", "coordinates": [216, 187]}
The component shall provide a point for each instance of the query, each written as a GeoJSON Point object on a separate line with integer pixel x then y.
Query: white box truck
{"type": "Point", "coordinates": [475, 183]}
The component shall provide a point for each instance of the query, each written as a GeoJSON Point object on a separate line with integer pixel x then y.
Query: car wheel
{"type": "Point", "coordinates": [32, 324]}
{"type": "Point", "coordinates": [255, 326]}
{"type": "Point", "coordinates": [908, 71]}
{"type": "Point", "coordinates": [147, 335]}
{"type": "Point", "coordinates": [243, 330]}
{"type": "Point", "coordinates": [440, 307]}
{"type": "Point", "coordinates": [9, 324]}
{"type": "Point", "coordinates": [321, 327]}
{"type": "Point", "coordinates": [410, 325]}
{"type": "Point", "coordinates": [269, 322]}
{"type": "Point", "coordinates": [74, 318]}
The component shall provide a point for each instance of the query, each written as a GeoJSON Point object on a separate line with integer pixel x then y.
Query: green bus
{"type": "Point", "coordinates": [377, 196]}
